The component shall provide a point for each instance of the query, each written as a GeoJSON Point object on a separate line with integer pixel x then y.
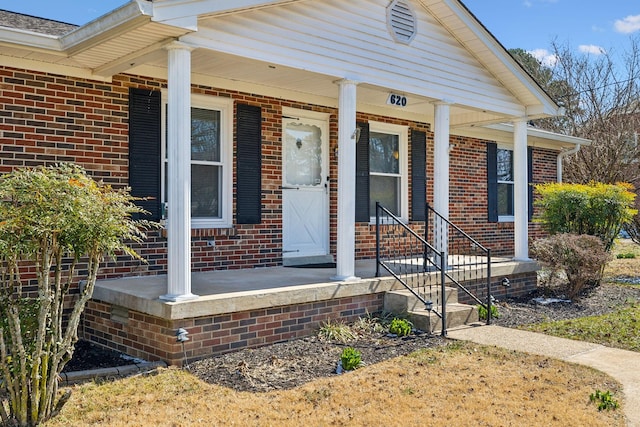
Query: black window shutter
{"type": "Point", "coordinates": [362, 174]}
{"type": "Point", "coordinates": [492, 181]}
{"type": "Point", "coordinates": [418, 175]}
{"type": "Point", "coordinates": [249, 164]}
{"type": "Point", "coordinates": [530, 180]}
{"type": "Point", "coordinates": [145, 149]}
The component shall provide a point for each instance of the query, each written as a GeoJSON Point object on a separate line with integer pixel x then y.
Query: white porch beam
{"type": "Point", "coordinates": [347, 139]}
{"type": "Point", "coordinates": [179, 174]}
{"type": "Point", "coordinates": [129, 61]}
{"type": "Point", "coordinates": [520, 191]}
{"type": "Point", "coordinates": [441, 179]}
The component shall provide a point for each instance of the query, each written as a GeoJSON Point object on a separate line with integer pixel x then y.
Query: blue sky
{"type": "Point", "coordinates": [589, 26]}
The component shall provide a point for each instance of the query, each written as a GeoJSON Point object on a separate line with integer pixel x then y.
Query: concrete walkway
{"type": "Point", "coordinates": [622, 365]}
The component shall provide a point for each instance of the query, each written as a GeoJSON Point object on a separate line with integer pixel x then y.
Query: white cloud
{"type": "Point", "coordinates": [545, 57]}
{"type": "Point", "coordinates": [592, 49]}
{"type": "Point", "coordinates": [628, 25]}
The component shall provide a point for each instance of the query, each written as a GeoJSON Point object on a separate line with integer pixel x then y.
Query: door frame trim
{"type": "Point", "coordinates": [288, 112]}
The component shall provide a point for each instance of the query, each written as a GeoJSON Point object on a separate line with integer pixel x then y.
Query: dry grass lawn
{"type": "Point", "coordinates": [462, 384]}
{"type": "Point", "coordinates": [629, 267]}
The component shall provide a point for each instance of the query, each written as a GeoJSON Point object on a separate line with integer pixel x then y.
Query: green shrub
{"type": "Point", "coordinates": [482, 312]}
{"type": "Point", "coordinates": [400, 327]}
{"type": "Point", "coordinates": [60, 224]}
{"type": "Point", "coordinates": [628, 255]}
{"type": "Point", "coordinates": [581, 257]}
{"type": "Point", "coordinates": [596, 209]}
{"type": "Point", "coordinates": [351, 359]}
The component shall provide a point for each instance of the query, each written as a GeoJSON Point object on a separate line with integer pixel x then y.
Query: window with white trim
{"type": "Point", "coordinates": [388, 168]}
{"type": "Point", "coordinates": [211, 160]}
{"type": "Point", "coordinates": [504, 166]}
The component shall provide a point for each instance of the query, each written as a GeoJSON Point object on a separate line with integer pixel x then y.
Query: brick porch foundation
{"type": "Point", "coordinates": [232, 321]}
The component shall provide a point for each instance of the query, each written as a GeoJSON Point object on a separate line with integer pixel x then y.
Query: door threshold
{"type": "Point", "coordinates": [320, 260]}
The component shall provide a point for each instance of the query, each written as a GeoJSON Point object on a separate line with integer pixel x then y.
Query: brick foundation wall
{"type": "Point", "coordinates": [520, 285]}
{"type": "Point", "coordinates": [47, 118]}
{"type": "Point", "coordinates": [152, 338]}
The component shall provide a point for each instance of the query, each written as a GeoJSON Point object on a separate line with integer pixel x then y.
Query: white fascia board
{"type": "Point", "coordinates": [547, 105]}
{"type": "Point", "coordinates": [128, 16]}
{"type": "Point", "coordinates": [167, 10]}
{"type": "Point", "coordinates": [33, 40]}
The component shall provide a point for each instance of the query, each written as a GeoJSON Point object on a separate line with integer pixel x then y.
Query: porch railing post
{"type": "Point", "coordinates": [443, 293]}
{"type": "Point", "coordinates": [426, 237]}
{"type": "Point", "coordinates": [488, 286]}
{"type": "Point", "coordinates": [377, 239]}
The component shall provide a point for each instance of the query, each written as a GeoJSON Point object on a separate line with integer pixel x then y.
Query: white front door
{"type": "Point", "coordinates": [305, 188]}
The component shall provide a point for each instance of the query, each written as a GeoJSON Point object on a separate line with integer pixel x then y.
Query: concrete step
{"type": "Point", "coordinates": [457, 315]}
{"type": "Point", "coordinates": [402, 300]}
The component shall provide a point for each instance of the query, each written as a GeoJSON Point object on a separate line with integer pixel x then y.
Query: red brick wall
{"type": "Point", "coordinates": [520, 285]}
{"type": "Point", "coordinates": [46, 118]}
{"type": "Point", "coordinates": [152, 338]}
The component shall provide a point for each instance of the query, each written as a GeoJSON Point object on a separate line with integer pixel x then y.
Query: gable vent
{"type": "Point", "coordinates": [401, 21]}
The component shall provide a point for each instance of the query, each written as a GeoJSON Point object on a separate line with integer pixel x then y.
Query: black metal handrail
{"type": "Point", "coordinates": [468, 261]}
{"type": "Point", "coordinates": [412, 261]}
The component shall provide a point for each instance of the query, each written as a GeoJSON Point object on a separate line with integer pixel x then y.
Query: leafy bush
{"type": "Point", "coordinates": [351, 359]}
{"type": "Point", "coordinates": [596, 209]}
{"type": "Point", "coordinates": [400, 327]}
{"type": "Point", "coordinates": [482, 312]}
{"type": "Point", "coordinates": [60, 224]}
{"type": "Point", "coordinates": [580, 257]}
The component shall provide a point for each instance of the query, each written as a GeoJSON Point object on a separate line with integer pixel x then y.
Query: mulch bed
{"type": "Point", "coordinates": [290, 364]}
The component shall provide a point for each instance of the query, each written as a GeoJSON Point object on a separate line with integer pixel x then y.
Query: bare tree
{"type": "Point", "coordinates": [601, 98]}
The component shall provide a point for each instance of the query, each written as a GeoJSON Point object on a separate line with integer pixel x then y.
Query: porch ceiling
{"type": "Point", "coordinates": [236, 73]}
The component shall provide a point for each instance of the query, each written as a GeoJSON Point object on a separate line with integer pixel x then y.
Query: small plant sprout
{"type": "Point", "coordinates": [482, 312]}
{"type": "Point", "coordinates": [604, 400]}
{"type": "Point", "coordinates": [351, 359]}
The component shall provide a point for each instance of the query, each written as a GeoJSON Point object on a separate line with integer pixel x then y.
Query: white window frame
{"type": "Point", "coordinates": [506, 218]}
{"type": "Point", "coordinates": [225, 107]}
{"type": "Point", "coordinates": [403, 157]}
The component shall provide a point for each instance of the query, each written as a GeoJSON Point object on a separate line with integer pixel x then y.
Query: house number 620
{"type": "Point", "coordinates": [397, 100]}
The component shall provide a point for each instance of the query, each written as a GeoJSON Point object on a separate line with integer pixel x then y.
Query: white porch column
{"type": "Point", "coordinates": [179, 174]}
{"type": "Point", "coordinates": [347, 138]}
{"type": "Point", "coordinates": [441, 173]}
{"type": "Point", "coordinates": [520, 191]}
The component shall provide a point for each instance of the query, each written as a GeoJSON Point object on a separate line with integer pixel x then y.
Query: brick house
{"type": "Point", "coordinates": [300, 115]}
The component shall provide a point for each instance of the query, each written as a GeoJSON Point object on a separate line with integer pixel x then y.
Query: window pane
{"type": "Point", "coordinates": [386, 190]}
{"type": "Point", "coordinates": [505, 165]}
{"type": "Point", "coordinates": [205, 135]}
{"type": "Point", "coordinates": [205, 191]}
{"type": "Point", "coordinates": [303, 151]}
{"type": "Point", "coordinates": [384, 153]}
{"type": "Point", "coordinates": [505, 199]}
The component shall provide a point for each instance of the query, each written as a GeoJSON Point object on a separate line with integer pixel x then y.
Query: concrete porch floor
{"type": "Point", "coordinates": [229, 291]}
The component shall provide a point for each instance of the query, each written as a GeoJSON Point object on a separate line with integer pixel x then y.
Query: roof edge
{"type": "Point", "coordinates": [550, 107]}
{"type": "Point", "coordinates": [129, 15]}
